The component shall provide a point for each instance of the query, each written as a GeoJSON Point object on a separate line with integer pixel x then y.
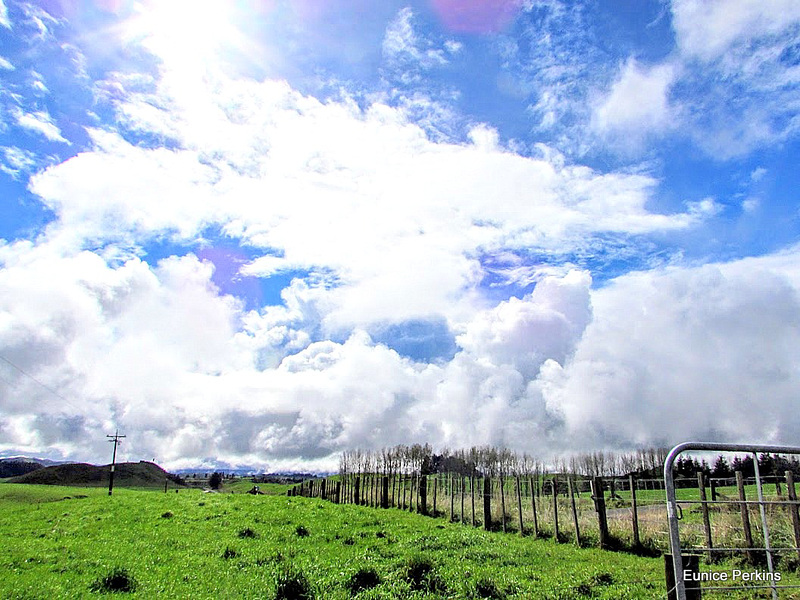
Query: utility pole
{"type": "Point", "coordinates": [116, 439]}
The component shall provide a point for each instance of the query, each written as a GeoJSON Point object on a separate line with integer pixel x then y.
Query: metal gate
{"type": "Point", "coordinates": [674, 513]}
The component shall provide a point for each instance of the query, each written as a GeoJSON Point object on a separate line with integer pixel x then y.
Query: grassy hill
{"type": "Point", "coordinates": [141, 474]}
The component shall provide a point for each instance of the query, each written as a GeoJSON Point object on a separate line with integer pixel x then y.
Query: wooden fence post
{"type": "Point", "coordinates": [472, 495]}
{"type": "Point", "coordinates": [792, 494]}
{"type": "Point", "coordinates": [461, 517]}
{"type": "Point", "coordinates": [435, 491]}
{"type": "Point", "coordinates": [452, 500]}
{"type": "Point", "coordinates": [554, 486]}
{"type": "Point", "coordinates": [519, 507]}
{"type": "Point", "coordinates": [423, 495]}
{"type": "Point", "coordinates": [701, 486]}
{"type": "Point", "coordinates": [574, 512]}
{"type": "Point", "coordinates": [503, 500]}
{"type": "Point", "coordinates": [337, 493]}
{"type": "Point", "coordinates": [411, 494]}
{"type": "Point", "coordinates": [713, 485]}
{"type": "Point", "coordinates": [385, 492]}
{"type": "Point", "coordinates": [691, 563]}
{"type": "Point", "coordinates": [598, 495]}
{"type": "Point", "coordinates": [487, 503]}
{"type": "Point", "coordinates": [634, 512]}
{"type": "Point", "coordinates": [533, 508]}
{"type": "Point", "coordinates": [356, 490]}
{"type": "Point", "coordinates": [322, 486]}
{"type": "Point", "coordinates": [745, 511]}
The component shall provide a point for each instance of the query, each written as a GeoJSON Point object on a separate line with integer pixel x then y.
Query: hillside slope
{"type": "Point", "coordinates": [141, 474]}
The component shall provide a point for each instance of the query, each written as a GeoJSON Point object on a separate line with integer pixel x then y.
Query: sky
{"type": "Point", "coordinates": [256, 233]}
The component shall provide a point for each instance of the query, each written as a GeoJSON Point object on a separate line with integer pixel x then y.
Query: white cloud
{"type": "Point", "coordinates": [157, 352]}
{"type": "Point", "coordinates": [395, 219]}
{"type": "Point", "coordinates": [638, 103]}
{"type": "Point", "coordinates": [687, 353]}
{"type": "Point", "coordinates": [16, 160]}
{"type": "Point", "coordinates": [750, 205]}
{"type": "Point", "coordinates": [6, 64]}
{"type": "Point", "coordinates": [738, 90]}
{"type": "Point", "coordinates": [707, 29]}
{"type": "Point", "coordinates": [4, 20]}
{"type": "Point", "coordinates": [40, 122]}
{"type": "Point", "coordinates": [525, 332]}
{"type": "Point", "coordinates": [654, 357]}
{"type": "Point", "coordinates": [402, 43]}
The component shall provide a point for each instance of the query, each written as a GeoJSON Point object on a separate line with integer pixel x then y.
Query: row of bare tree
{"type": "Point", "coordinates": [420, 459]}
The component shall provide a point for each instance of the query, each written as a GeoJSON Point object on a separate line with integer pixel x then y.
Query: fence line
{"type": "Point", "coordinates": [614, 513]}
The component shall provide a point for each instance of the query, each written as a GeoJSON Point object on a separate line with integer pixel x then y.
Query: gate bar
{"type": "Point", "coordinates": [672, 504]}
{"type": "Point", "coordinates": [764, 525]}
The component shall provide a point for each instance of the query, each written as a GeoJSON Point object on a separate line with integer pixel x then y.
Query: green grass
{"type": "Point", "coordinates": [242, 485]}
{"type": "Point", "coordinates": [192, 545]}
{"type": "Point", "coordinates": [80, 543]}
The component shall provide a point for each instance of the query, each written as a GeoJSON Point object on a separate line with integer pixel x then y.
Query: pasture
{"type": "Point", "coordinates": [66, 542]}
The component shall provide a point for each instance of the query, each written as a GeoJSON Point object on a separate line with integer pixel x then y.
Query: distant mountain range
{"type": "Point", "coordinates": [13, 466]}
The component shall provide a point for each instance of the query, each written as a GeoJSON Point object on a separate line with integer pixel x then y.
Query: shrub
{"type": "Point", "coordinates": [118, 580]}
{"type": "Point", "coordinates": [293, 585]}
{"type": "Point", "coordinates": [363, 579]}
{"type": "Point", "coordinates": [215, 480]}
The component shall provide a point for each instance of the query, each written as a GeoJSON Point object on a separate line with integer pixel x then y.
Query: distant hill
{"type": "Point", "coordinates": [141, 474]}
{"type": "Point", "coordinates": [13, 467]}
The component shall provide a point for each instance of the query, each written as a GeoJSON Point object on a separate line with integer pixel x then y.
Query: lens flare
{"type": "Point", "coordinates": [476, 16]}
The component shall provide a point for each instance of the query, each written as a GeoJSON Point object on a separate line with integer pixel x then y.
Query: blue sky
{"type": "Point", "coordinates": [262, 232]}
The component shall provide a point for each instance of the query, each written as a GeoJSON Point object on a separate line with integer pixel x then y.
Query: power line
{"type": "Point", "coordinates": [29, 376]}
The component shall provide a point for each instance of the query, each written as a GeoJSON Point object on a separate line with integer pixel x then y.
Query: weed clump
{"type": "Point", "coordinates": [301, 531]}
{"type": "Point", "coordinates": [229, 553]}
{"type": "Point", "coordinates": [167, 515]}
{"type": "Point", "coordinates": [363, 579]}
{"type": "Point", "coordinates": [117, 581]}
{"type": "Point", "coordinates": [603, 579]}
{"type": "Point", "coordinates": [487, 588]}
{"type": "Point", "coordinates": [247, 533]}
{"type": "Point", "coordinates": [293, 585]}
{"type": "Point", "coordinates": [421, 575]}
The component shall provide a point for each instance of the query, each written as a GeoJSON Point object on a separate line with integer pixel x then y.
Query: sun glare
{"type": "Point", "coordinates": [185, 30]}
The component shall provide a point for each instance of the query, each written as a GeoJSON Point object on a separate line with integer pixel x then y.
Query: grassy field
{"type": "Point", "coordinates": [79, 543]}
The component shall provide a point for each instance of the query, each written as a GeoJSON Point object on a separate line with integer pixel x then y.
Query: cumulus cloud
{"type": "Point", "coordinates": [687, 353]}
{"type": "Point", "coordinates": [160, 353]}
{"type": "Point", "coordinates": [381, 225]}
{"type": "Point", "coordinates": [394, 221]}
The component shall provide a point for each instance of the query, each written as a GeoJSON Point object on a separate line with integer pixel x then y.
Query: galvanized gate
{"type": "Point", "coordinates": [674, 513]}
